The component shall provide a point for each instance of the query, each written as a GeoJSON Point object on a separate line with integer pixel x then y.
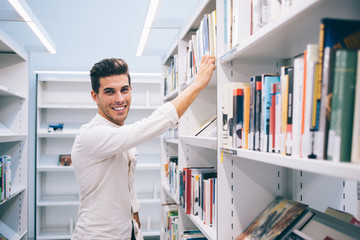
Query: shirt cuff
{"type": "Point", "coordinates": [169, 110]}
{"type": "Point", "coordinates": [135, 205]}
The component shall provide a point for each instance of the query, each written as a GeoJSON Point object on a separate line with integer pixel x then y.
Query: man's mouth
{"type": "Point", "coordinates": [119, 108]}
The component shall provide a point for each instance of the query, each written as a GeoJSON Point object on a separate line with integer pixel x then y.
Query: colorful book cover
{"type": "Point", "coordinates": [273, 220]}
{"type": "Point", "coordinates": [246, 116]}
{"type": "Point", "coordinates": [258, 112]}
{"type": "Point", "coordinates": [267, 80]}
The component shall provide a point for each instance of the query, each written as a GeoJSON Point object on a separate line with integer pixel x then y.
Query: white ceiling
{"type": "Point", "coordinates": [122, 19]}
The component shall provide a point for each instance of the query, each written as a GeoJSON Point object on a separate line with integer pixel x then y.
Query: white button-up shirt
{"type": "Point", "coordinates": [100, 156]}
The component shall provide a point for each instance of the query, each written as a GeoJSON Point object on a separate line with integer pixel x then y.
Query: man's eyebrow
{"type": "Point", "coordinates": [108, 88]}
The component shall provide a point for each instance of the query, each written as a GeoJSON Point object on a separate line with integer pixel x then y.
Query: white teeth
{"type": "Point", "coordinates": [119, 108]}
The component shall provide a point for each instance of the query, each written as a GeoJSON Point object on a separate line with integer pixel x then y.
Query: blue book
{"type": "Point", "coordinates": [267, 81]}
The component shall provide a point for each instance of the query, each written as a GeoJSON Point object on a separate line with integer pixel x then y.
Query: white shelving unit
{"type": "Point", "coordinates": [250, 180]}
{"type": "Point", "coordinates": [65, 98]}
{"type": "Point", "coordinates": [191, 151]}
{"type": "Point", "coordinates": [14, 134]}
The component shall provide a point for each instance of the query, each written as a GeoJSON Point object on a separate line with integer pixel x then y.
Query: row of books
{"type": "Point", "coordinates": [171, 76]}
{"type": "Point", "coordinates": [171, 174]}
{"type": "Point", "coordinates": [201, 43]}
{"type": "Point", "coordinates": [171, 218]}
{"type": "Point", "coordinates": [171, 133]}
{"type": "Point", "coordinates": [197, 193]}
{"type": "Point", "coordinates": [5, 177]}
{"type": "Point", "coordinates": [261, 12]}
{"type": "Point", "coordinates": [286, 219]}
{"type": "Point", "coordinates": [307, 110]}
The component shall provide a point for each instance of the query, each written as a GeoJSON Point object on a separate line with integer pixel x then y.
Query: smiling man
{"type": "Point", "coordinates": [104, 155]}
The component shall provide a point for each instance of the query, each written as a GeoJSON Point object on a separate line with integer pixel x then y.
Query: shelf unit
{"type": "Point", "coordinates": [64, 97]}
{"type": "Point", "coordinates": [250, 180]}
{"type": "Point", "coordinates": [14, 134]}
{"type": "Point", "coordinates": [191, 151]}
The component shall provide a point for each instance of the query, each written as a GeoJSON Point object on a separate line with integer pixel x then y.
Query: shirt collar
{"type": "Point", "coordinates": [100, 119]}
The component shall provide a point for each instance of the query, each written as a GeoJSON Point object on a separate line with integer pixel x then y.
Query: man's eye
{"type": "Point", "coordinates": [124, 90]}
{"type": "Point", "coordinates": [109, 91]}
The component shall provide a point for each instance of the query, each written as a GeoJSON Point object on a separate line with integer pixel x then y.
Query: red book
{"type": "Point", "coordinates": [187, 180]}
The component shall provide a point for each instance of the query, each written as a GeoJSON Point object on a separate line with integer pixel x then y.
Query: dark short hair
{"type": "Point", "coordinates": [105, 68]}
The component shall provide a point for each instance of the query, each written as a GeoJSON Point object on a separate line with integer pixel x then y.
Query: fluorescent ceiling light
{"type": "Point", "coordinates": [34, 27]}
{"type": "Point", "coordinates": [154, 4]}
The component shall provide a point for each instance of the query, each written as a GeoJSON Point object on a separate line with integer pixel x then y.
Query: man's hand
{"type": "Point", "coordinates": [205, 70]}
{"type": "Point", "coordinates": [185, 99]}
{"type": "Point", "coordinates": [137, 218]}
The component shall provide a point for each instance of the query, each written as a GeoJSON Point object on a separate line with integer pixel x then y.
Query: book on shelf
{"type": "Point", "coordinates": [355, 146]}
{"type": "Point", "coordinates": [307, 136]}
{"type": "Point", "coordinates": [342, 106]}
{"type": "Point", "coordinates": [267, 80]}
{"type": "Point", "coordinates": [172, 174]}
{"type": "Point", "coordinates": [276, 218]}
{"type": "Point", "coordinates": [201, 43]}
{"type": "Point", "coordinates": [193, 196]}
{"type": "Point", "coordinates": [325, 226]}
{"type": "Point", "coordinates": [55, 127]}
{"type": "Point", "coordinates": [297, 235]}
{"type": "Point", "coordinates": [65, 160]}
{"type": "Point", "coordinates": [2, 237]}
{"type": "Point", "coordinates": [290, 112]}
{"type": "Point", "coordinates": [345, 216]}
{"type": "Point", "coordinates": [257, 112]}
{"type": "Point", "coordinates": [334, 34]}
{"type": "Point", "coordinates": [272, 117]}
{"type": "Point", "coordinates": [277, 117]}
{"type": "Point", "coordinates": [192, 234]}
{"type": "Point", "coordinates": [170, 217]}
{"type": "Point", "coordinates": [5, 162]}
{"type": "Point", "coordinates": [208, 129]}
{"type": "Point", "coordinates": [321, 135]}
{"type": "Point", "coordinates": [228, 124]}
{"type": "Point", "coordinates": [246, 118]}
{"type": "Point", "coordinates": [297, 104]}
{"type": "Point", "coordinates": [252, 109]}
{"type": "Point", "coordinates": [238, 112]}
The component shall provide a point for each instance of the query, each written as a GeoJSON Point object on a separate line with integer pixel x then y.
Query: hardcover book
{"type": "Point", "coordinates": [273, 220]}
{"type": "Point", "coordinates": [355, 147]}
{"type": "Point", "coordinates": [65, 160]}
{"type": "Point", "coordinates": [342, 106]}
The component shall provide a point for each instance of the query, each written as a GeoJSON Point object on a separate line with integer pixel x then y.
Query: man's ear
{"type": "Point", "coordinates": [94, 95]}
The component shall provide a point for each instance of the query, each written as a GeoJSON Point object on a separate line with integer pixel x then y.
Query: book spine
{"type": "Point", "coordinates": [284, 78]}
{"type": "Point", "coordinates": [251, 139]}
{"type": "Point", "coordinates": [312, 58]}
{"type": "Point", "coordinates": [258, 114]}
{"type": "Point", "coordinates": [278, 106]}
{"type": "Point", "coordinates": [355, 147]}
{"type": "Point", "coordinates": [272, 122]}
{"type": "Point", "coordinates": [342, 106]}
{"type": "Point", "coordinates": [288, 143]}
{"type": "Point", "coordinates": [238, 111]}
{"type": "Point", "coordinates": [297, 104]}
{"type": "Point", "coordinates": [321, 136]}
{"type": "Point", "coordinates": [245, 135]}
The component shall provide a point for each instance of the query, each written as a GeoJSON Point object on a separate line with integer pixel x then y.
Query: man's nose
{"type": "Point", "coordinates": [119, 97]}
